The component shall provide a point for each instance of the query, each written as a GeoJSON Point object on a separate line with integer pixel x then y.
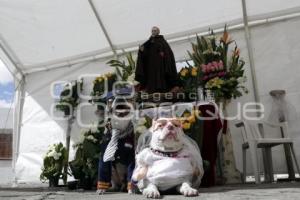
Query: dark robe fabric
{"type": "Point", "coordinates": [156, 67]}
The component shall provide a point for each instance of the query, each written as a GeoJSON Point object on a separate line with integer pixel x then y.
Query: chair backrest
{"type": "Point", "coordinates": [259, 127]}
{"type": "Point", "coordinates": [247, 133]}
{"type": "Point", "coordinates": [255, 129]}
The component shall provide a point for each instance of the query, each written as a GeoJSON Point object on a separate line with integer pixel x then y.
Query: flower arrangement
{"type": "Point", "coordinates": [191, 124]}
{"type": "Point", "coordinates": [69, 98]}
{"type": "Point", "coordinates": [189, 120]}
{"type": "Point", "coordinates": [99, 84]}
{"type": "Point", "coordinates": [54, 161]}
{"type": "Point", "coordinates": [189, 77]}
{"type": "Point", "coordinates": [85, 164]}
{"type": "Point", "coordinates": [220, 72]}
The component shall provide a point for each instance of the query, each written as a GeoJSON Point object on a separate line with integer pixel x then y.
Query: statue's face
{"type": "Point", "coordinates": [155, 31]}
{"type": "Point", "coordinates": [166, 135]}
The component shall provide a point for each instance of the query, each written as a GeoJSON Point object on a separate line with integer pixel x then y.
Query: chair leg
{"type": "Point", "coordinates": [254, 158]}
{"type": "Point", "coordinates": [295, 158]}
{"type": "Point", "coordinates": [244, 165]}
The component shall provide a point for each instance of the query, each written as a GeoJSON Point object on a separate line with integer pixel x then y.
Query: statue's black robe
{"type": "Point", "coordinates": [156, 67]}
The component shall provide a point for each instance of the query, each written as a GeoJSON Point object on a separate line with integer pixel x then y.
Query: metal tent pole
{"type": "Point", "coordinates": [103, 27]}
{"type": "Point", "coordinates": [250, 51]}
{"type": "Point", "coordinates": [18, 112]}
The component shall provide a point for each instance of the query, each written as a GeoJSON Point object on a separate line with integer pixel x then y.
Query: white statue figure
{"type": "Point", "coordinates": [170, 159]}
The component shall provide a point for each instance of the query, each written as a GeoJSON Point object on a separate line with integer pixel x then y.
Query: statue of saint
{"type": "Point", "coordinates": [156, 67]}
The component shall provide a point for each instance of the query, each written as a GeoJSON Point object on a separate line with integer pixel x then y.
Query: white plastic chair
{"type": "Point", "coordinates": [253, 138]}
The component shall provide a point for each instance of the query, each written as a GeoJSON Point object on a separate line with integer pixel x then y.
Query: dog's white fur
{"type": "Point", "coordinates": [155, 171]}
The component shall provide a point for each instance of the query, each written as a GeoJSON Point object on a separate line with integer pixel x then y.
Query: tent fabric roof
{"type": "Point", "coordinates": [41, 33]}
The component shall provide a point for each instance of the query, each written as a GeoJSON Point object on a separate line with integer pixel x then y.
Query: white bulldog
{"type": "Point", "coordinates": [172, 160]}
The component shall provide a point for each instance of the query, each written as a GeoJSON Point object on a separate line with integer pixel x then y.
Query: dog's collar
{"type": "Point", "coordinates": [165, 154]}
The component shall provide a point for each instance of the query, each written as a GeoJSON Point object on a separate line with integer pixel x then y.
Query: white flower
{"type": "Point", "coordinates": [52, 147]}
{"type": "Point", "coordinates": [56, 155]}
{"type": "Point", "coordinates": [94, 128]}
{"type": "Point", "coordinates": [91, 138]}
{"type": "Point", "coordinates": [50, 153]}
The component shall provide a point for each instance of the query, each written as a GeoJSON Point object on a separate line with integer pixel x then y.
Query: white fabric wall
{"type": "Point", "coordinates": [276, 58]}
{"type": "Point", "coordinates": [39, 129]}
{"type": "Point", "coordinates": [276, 51]}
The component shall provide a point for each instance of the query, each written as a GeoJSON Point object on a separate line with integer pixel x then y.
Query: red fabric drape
{"type": "Point", "coordinates": [211, 129]}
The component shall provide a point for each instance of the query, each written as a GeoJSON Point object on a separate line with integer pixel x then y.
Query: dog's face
{"type": "Point", "coordinates": [166, 135]}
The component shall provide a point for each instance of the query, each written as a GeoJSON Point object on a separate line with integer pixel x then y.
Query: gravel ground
{"type": "Point", "coordinates": [278, 191]}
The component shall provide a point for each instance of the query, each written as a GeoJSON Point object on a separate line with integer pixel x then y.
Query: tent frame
{"type": "Point", "coordinates": [115, 51]}
{"type": "Point", "coordinates": [118, 50]}
{"type": "Point", "coordinates": [133, 47]}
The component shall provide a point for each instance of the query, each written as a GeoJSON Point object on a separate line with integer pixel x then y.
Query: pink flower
{"type": "Point", "coordinates": [215, 64]}
{"type": "Point", "coordinates": [209, 67]}
{"type": "Point", "coordinates": [205, 78]}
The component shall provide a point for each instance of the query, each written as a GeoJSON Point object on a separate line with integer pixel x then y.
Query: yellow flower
{"type": "Point", "coordinates": [183, 72]}
{"type": "Point", "coordinates": [194, 71]}
{"type": "Point", "coordinates": [215, 83]}
{"type": "Point", "coordinates": [186, 125]}
{"type": "Point", "coordinates": [192, 119]}
{"type": "Point", "coordinates": [186, 114]}
{"type": "Point", "coordinates": [99, 79]}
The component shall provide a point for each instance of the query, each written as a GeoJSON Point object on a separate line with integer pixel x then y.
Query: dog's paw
{"type": "Point", "coordinates": [100, 191]}
{"type": "Point", "coordinates": [188, 191]}
{"type": "Point", "coordinates": [151, 192]}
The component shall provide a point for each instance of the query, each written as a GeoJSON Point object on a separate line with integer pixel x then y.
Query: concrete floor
{"type": "Point", "coordinates": [276, 191]}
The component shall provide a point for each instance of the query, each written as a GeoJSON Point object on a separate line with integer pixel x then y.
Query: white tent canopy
{"type": "Point", "coordinates": [52, 40]}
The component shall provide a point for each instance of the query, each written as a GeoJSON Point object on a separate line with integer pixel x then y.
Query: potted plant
{"type": "Point", "coordinates": [222, 74]}
{"type": "Point", "coordinates": [53, 164]}
{"type": "Point", "coordinates": [218, 71]}
{"type": "Point", "coordinates": [84, 167]}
